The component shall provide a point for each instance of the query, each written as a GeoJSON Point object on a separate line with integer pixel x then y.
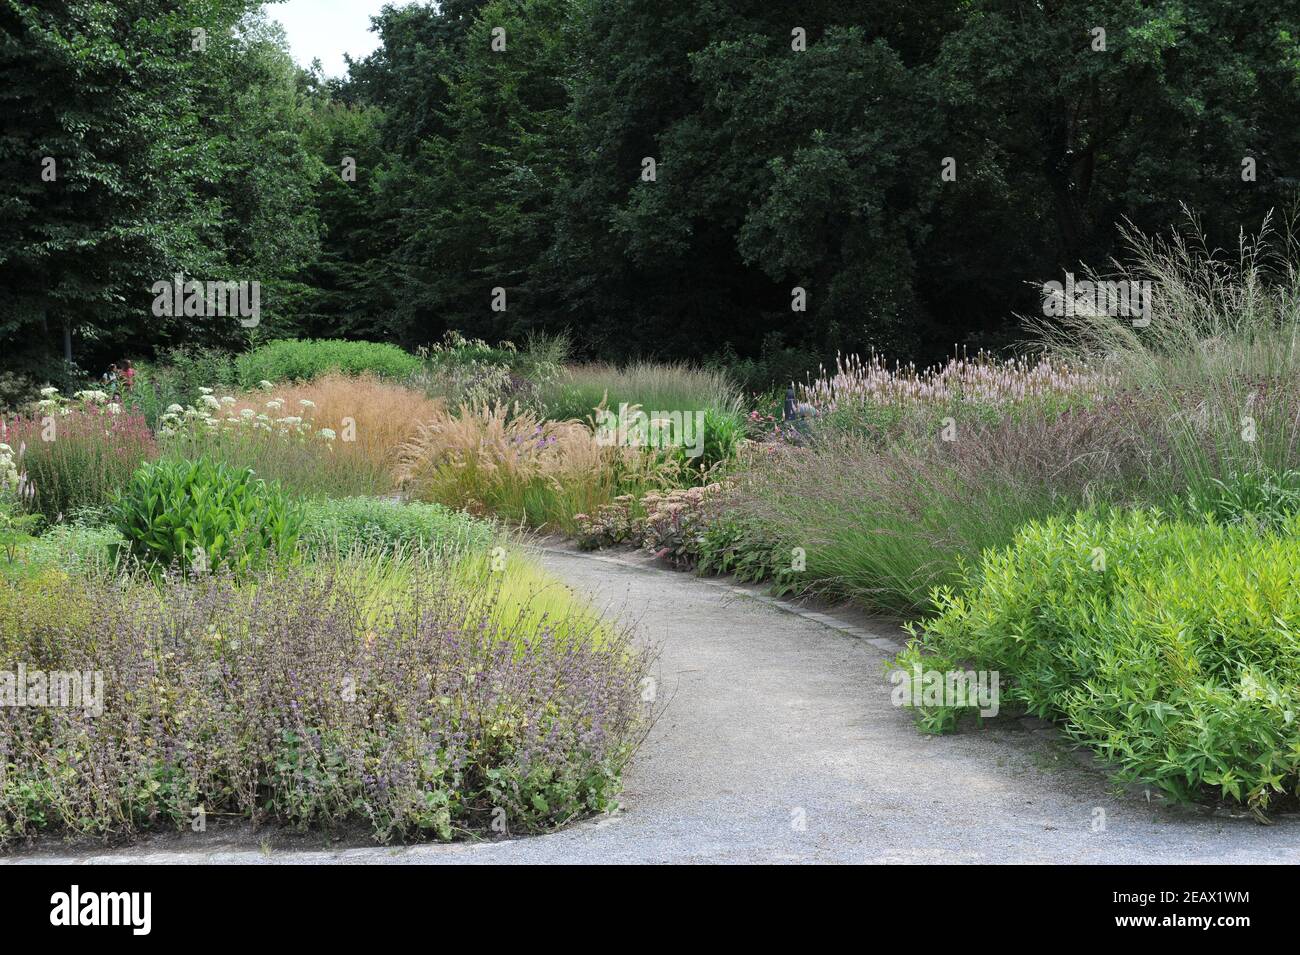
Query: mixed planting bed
{"type": "Point", "coordinates": [297, 568]}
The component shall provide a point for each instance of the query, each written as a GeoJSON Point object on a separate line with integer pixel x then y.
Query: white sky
{"type": "Point", "coordinates": [326, 29]}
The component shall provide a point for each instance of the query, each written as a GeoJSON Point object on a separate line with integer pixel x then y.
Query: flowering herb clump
{"type": "Point", "coordinates": [76, 453]}
{"type": "Point", "coordinates": [306, 698]}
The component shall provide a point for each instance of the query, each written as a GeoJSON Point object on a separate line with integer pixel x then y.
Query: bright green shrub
{"type": "Point", "coordinates": [286, 360]}
{"type": "Point", "coordinates": [381, 525]}
{"type": "Point", "coordinates": [1169, 648]}
{"type": "Point", "coordinates": [173, 509]}
{"type": "Point", "coordinates": [724, 432]}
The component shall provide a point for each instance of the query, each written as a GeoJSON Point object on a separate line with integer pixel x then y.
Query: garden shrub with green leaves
{"type": "Point", "coordinates": [734, 544]}
{"type": "Point", "coordinates": [204, 515]}
{"type": "Point", "coordinates": [1170, 648]}
{"type": "Point", "coordinates": [289, 360]}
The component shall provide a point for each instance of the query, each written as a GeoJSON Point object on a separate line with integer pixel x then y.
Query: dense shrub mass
{"type": "Point", "coordinates": [1168, 647]}
{"type": "Point", "coordinates": [287, 360]}
{"type": "Point", "coordinates": [383, 526]}
{"type": "Point", "coordinates": [303, 699]}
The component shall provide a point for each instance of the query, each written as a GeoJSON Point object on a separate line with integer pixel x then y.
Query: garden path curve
{"type": "Point", "coordinates": [777, 742]}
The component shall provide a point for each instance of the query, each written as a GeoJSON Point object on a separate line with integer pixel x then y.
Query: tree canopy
{"type": "Point", "coordinates": [656, 179]}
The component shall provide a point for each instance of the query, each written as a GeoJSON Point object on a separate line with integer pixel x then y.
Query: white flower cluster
{"type": "Point", "coordinates": [8, 469]}
{"type": "Point", "coordinates": [211, 414]}
{"type": "Point", "coordinates": [53, 402]}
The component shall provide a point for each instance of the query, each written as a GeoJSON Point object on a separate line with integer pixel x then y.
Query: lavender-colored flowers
{"type": "Point", "coordinates": [304, 699]}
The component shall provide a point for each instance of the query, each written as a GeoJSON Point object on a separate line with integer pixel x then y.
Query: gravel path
{"type": "Point", "coordinates": [778, 743]}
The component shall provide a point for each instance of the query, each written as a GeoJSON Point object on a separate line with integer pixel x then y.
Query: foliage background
{"type": "Point", "coordinates": [521, 168]}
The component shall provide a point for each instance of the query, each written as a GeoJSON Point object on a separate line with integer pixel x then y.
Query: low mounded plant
{"type": "Point", "coordinates": [201, 515]}
{"type": "Point", "coordinates": [307, 697]}
{"type": "Point", "coordinates": [1169, 648]}
{"type": "Point", "coordinates": [378, 525]}
{"type": "Point", "coordinates": [290, 360]}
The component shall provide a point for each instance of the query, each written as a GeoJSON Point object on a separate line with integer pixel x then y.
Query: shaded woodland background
{"type": "Point", "coordinates": [522, 168]}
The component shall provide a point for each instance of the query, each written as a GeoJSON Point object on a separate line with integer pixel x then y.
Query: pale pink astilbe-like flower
{"type": "Point", "coordinates": [982, 380]}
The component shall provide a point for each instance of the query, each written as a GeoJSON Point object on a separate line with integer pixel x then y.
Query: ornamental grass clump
{"type": "Point", "coordinates": [364, 419]}
{"type": "Point", "coordinates": [492, 459]}
{"type": "Point", "coordinates": [287, 436]}
{"type": "Point", "coordinates": [886, 525]}
{"type": "Point", "coordinates": [654, 386]}
{"type": "Point", "coordinates": [1217, 360]}
{"type": "Point", "coordinates": [304, 698]}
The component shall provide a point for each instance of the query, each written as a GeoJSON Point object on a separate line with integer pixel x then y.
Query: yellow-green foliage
{"type": "Point", "coordinates": [523, 598]}
{"type": "Point", "coordinates": [34, 598]}
{"type": "Point", "coordinates": [1170, 648]}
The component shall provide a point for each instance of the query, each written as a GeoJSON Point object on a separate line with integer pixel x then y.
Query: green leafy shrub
{"type": "Point", "coordinates": [177, 377]}
{"type": "Point", "coordinates": [286, 360]}
{"type": "Point", "coordinates": [1167, 647]}
{"type": "Point", "coordinates": [724, 433]}
{"type": "Point", "coordinates": [379, 525]}
{"type": "Point", "coordinates": [202, 515]}
{"type": "Point", "coordinates": [737, 545]}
